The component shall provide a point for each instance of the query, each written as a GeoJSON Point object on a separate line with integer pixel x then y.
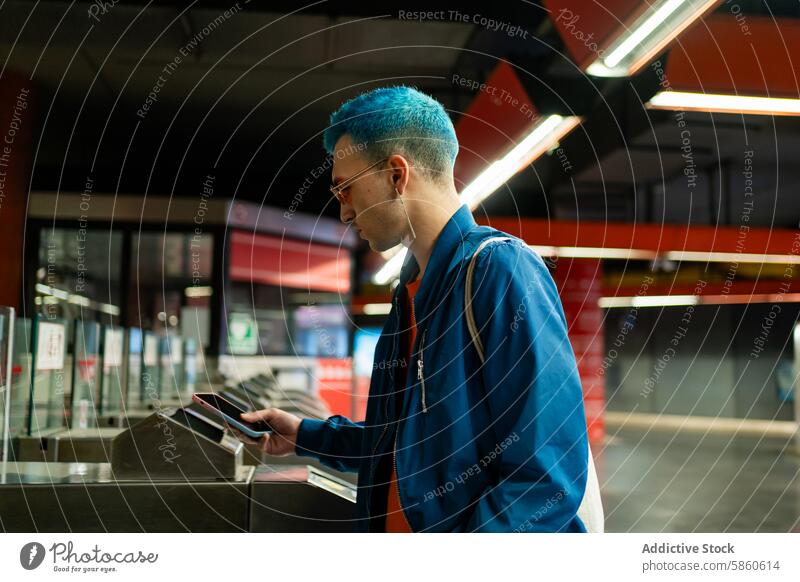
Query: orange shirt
{"type": "Point", "coordinates": [396, 521]}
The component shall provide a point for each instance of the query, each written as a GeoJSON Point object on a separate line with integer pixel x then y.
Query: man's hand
{"type": "Point", "coordinates": [285, 426]}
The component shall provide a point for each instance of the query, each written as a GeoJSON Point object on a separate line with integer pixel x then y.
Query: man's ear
{"type": "Point", "coordinates": [399, 172]}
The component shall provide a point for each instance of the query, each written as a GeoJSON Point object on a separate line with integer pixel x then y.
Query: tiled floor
{"type": "Point", "coordinates": [686, 482]}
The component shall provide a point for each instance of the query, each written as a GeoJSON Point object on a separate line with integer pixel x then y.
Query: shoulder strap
{"type": "Point", "coordinates": [469, 314]}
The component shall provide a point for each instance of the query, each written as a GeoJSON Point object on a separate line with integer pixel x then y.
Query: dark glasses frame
{"type": "Point", "coordinates": [336, 189]}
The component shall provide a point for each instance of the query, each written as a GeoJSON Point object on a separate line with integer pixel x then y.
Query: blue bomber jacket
{"type": "Point", "coordinates": [498, 446]}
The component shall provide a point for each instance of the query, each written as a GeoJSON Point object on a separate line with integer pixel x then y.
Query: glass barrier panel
{"type": "Point", "coordinates": [47, 406]}
{"type": "Point", "coordinates": [111, 384]}
{"type": "Point", "coordinates": [135, 397]}
{"type": "Point", "coordinates": [85, 365]}
{"type": "Point", "coordinates": [172, 378]}
{"type": "Point", "coordinates": [190, 365]}
{"type": "Point", "coordinates": [6, 364]}
{"type": "Point", "coordinates": [151, 370]}
{"type": "Point", "coordinates": [20, 378]}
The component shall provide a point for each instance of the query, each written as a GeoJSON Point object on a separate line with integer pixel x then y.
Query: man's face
{"type": "Point", "coordinates": [370, 204]}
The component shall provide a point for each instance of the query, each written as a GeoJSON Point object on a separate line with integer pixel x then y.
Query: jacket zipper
{"type": "Point", "coordinates": [399, 497]}
{"type": "Point", "coordinates": [421, 378]}
{"type": "Point", "coordinates": [420, 371]}
{"type": "Point", "coordinates": [385, 413]}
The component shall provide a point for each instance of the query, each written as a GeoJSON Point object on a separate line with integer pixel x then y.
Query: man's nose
{"type": "Point", "coordinates": [346, 213]}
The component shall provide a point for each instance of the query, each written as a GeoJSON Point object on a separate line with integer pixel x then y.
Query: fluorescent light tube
{"type": "Point", "coordinates": [677, 300]}
{"type": "Point", "coordinates": [545, 135]}
{"type": "Point", "coordinates": [204, 291]}
{"type": "Point", "coordinates": [377, 308]}
{"type": "Point", "coordinates": [718, 257]}
{"type": "Point", "coordinates": [724, 103]}
{"type": "Point", "coordinates": [644, 301]}
{"type": "Point", "coordinates": [637, 36]}
{"type": "Point", "coordinates": [594, 253]}
{"type": "Point", "coordinates": [647, 36]}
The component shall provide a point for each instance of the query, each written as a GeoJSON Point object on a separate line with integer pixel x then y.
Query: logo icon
{"type": "Point", "coordinates": [31, 555]}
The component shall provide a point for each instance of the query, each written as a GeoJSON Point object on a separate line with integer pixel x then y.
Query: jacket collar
{"type": "Point", "coordinates": [448, 241]}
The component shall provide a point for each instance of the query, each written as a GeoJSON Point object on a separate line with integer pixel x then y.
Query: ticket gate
{"type": "Point", "coordinates": [70, 407]}
{"type": "Point", "coordinates": [174, 471]}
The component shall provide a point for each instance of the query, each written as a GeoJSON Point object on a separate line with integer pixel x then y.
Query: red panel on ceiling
{"type": "Point", "coordinates": [757, 56]}
{"type": "Point", "coordinates": [744, 287]}
{"type": "Point", "coordinates": [653, 237]}
{"type": "Point", "coordinates": [499, 115]}
{"type": "Point", "coordinates": [587, 26]}
{"type": "Point", "coordinates": [270, 260]}
{"type": "Point", "coordinates": [761, 286]}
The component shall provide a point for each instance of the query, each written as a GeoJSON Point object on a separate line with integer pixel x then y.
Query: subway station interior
{"type": "Point", "coordinates": [167, 229]}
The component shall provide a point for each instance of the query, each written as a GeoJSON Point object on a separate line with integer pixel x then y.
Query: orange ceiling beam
{"type": "Point", "coordinates": [757, 56]}
{"type": "Point", "coordinates": [650, 237]}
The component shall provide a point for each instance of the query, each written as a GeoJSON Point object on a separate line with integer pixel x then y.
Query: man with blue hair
{"type": "Point", "coordinates": [475, 420]}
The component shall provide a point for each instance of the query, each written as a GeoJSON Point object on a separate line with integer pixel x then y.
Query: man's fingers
{"type": "Point", "coordinates": [267, 445]}
{"type": "Point", "coordinates": [243, 437]}
{"type": "Point", "coordinates": [266, 415]}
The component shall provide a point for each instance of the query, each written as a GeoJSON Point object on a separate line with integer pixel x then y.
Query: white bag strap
{"type": "Point", "coordinates": [470, 315]}
{"type": "Point", "coordinates": [591, 509]}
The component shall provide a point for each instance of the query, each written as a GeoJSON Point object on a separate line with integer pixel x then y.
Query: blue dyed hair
{"type": "Point", "coordinates": [398, 120]}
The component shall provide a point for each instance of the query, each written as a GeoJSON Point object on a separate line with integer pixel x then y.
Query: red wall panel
{"type": "Point", "coordinates": [271, 260]}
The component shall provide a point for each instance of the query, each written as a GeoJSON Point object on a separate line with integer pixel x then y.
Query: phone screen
{"type": "Point", "coordinates": [229, 409]}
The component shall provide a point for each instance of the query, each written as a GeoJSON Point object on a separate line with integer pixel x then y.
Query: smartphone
{"type": "Point", "coordinates": [231, 414]}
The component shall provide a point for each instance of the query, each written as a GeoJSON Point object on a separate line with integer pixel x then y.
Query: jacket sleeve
{"type": "Point", "coordinates": [534, 395]}
{"type": "Point", "coordinates": [335, 442]}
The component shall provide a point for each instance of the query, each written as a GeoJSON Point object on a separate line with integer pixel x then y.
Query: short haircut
{"type": "Point", "coordinates": [398, 120]}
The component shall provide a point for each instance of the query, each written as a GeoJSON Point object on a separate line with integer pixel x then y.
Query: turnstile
{"type": "Point", "coordinates": [174, 471]}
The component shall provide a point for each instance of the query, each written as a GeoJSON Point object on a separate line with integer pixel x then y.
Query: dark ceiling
{"type": "Point", "coordinates": [249, 101]}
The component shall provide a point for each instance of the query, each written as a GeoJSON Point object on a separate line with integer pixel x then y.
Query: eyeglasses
{"type": "Point", "coordinates": [336, 189]}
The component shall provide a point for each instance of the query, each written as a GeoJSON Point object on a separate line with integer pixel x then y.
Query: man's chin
{"type": "Point", "coordinates": [380, 246]}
